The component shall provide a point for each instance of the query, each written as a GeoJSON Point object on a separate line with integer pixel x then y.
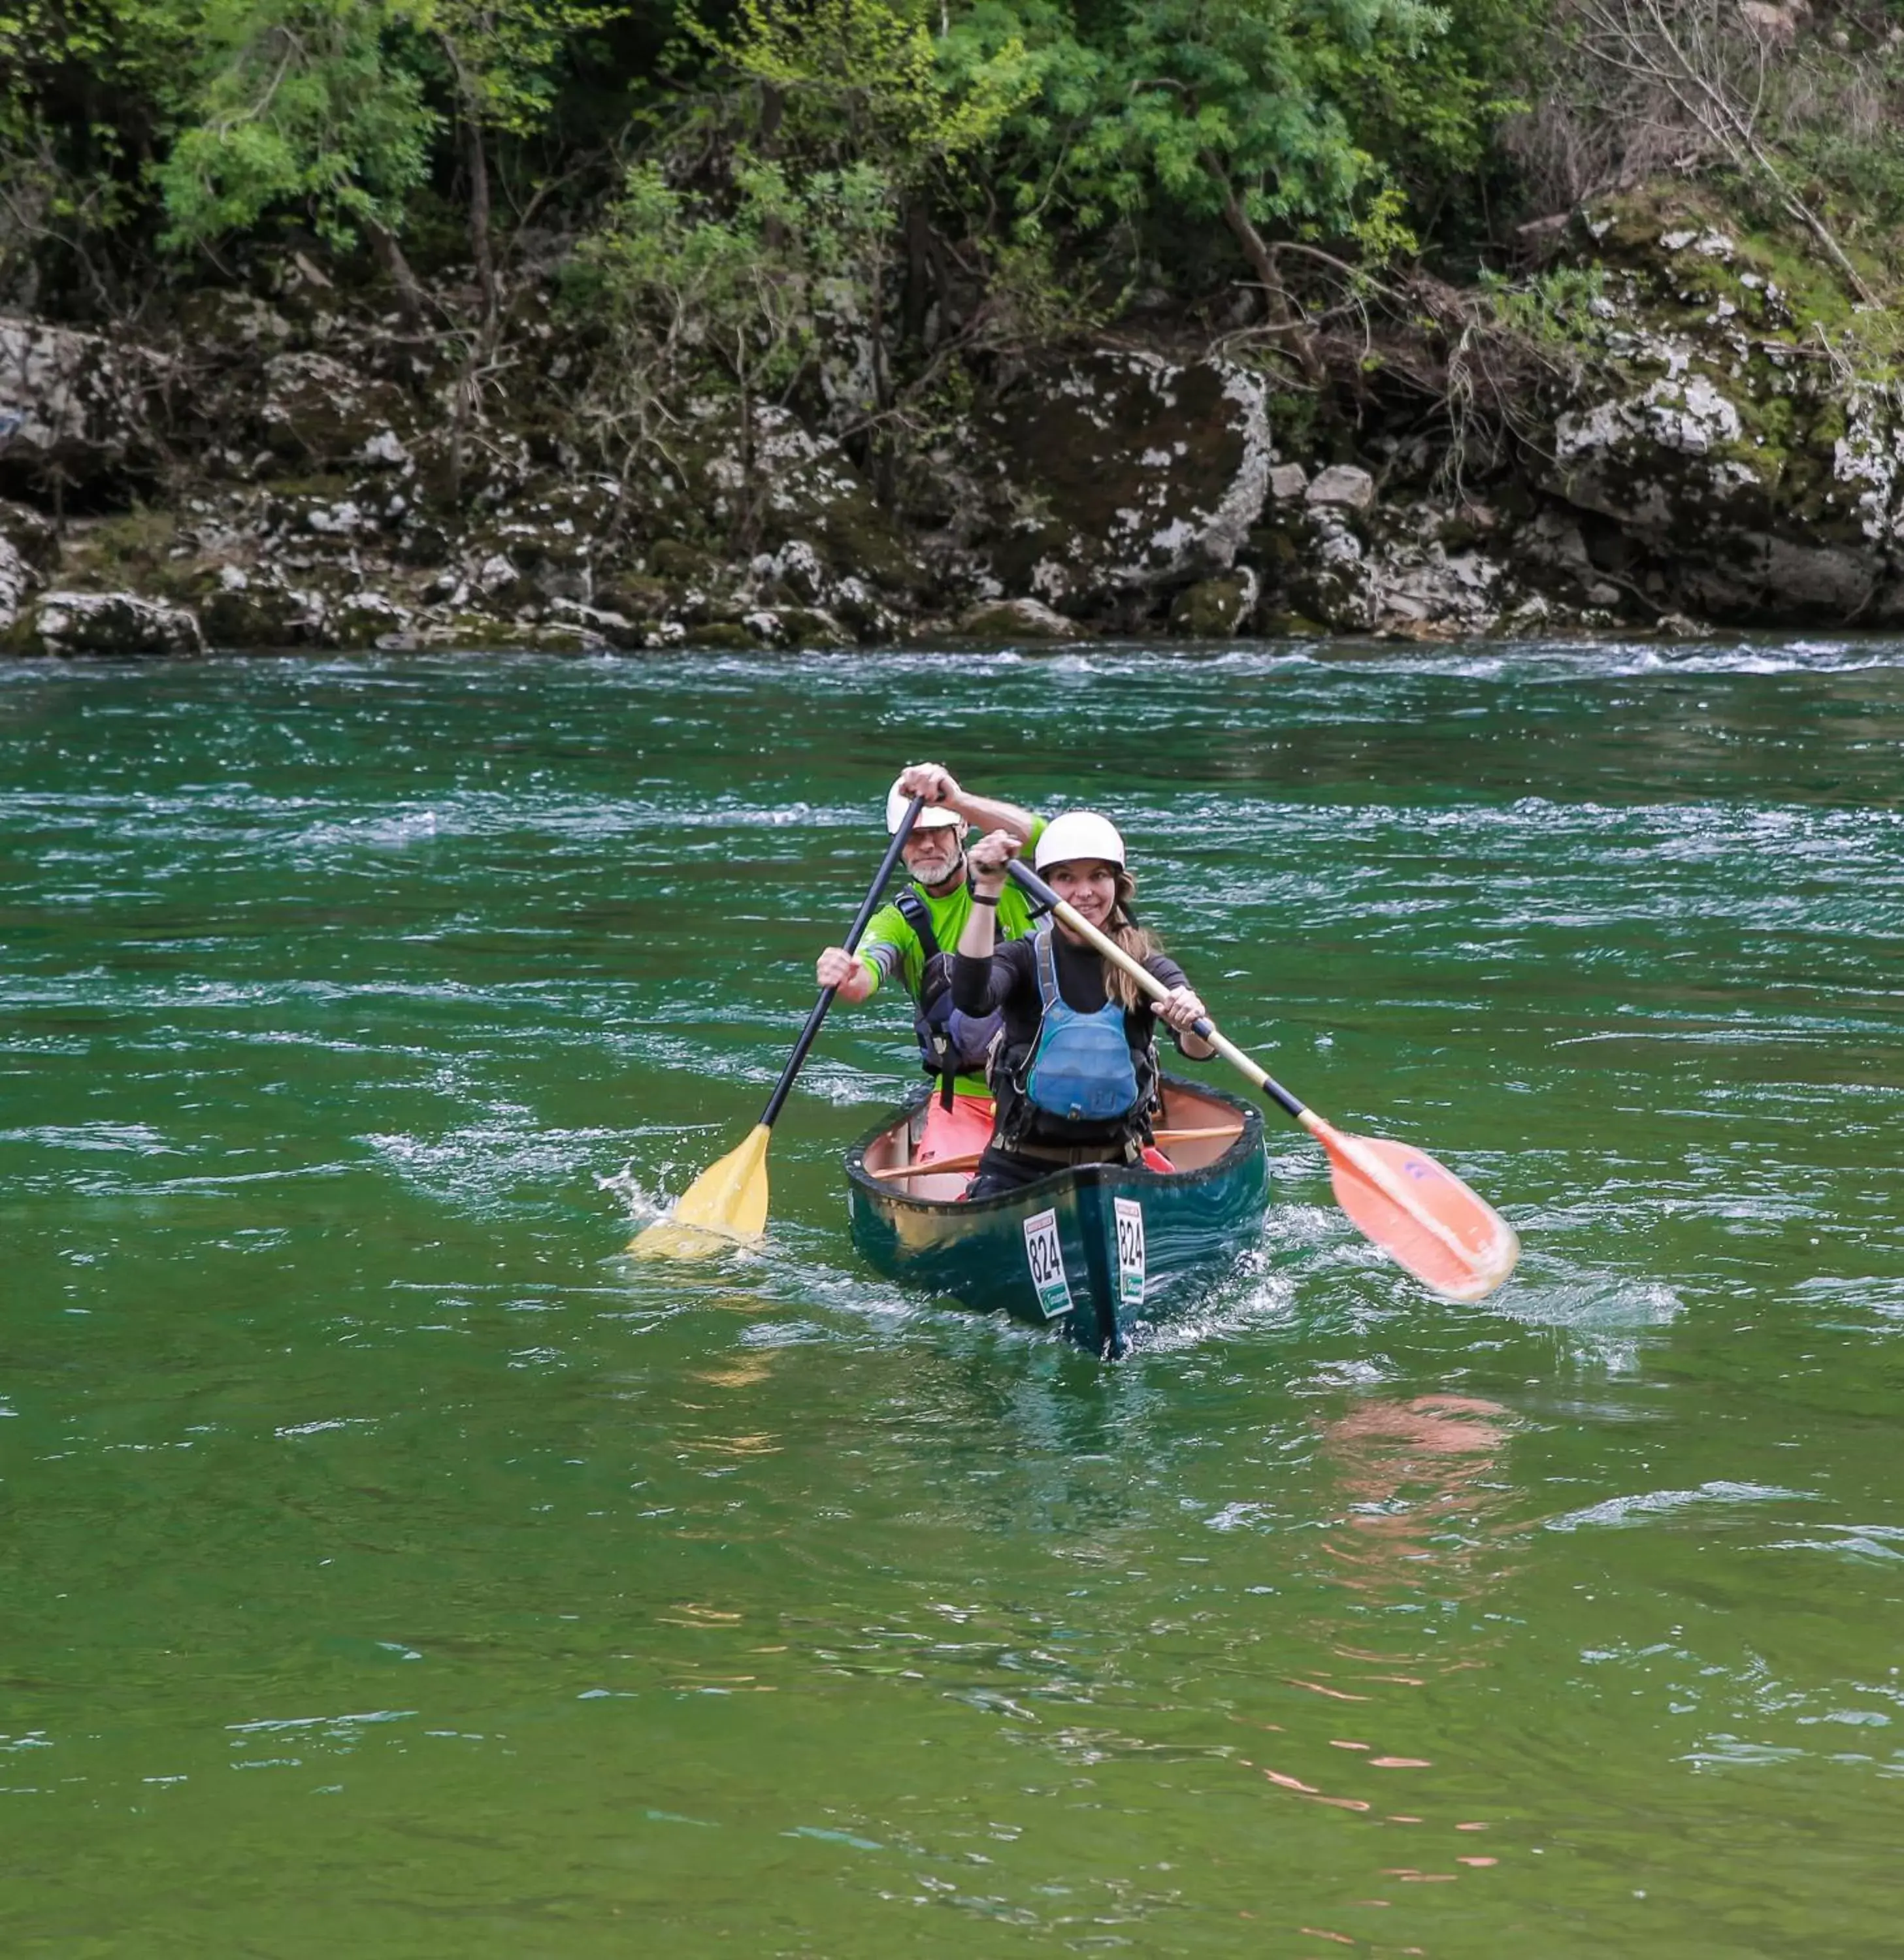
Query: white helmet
{"type": "Point", "coordinates": [933, 816]}
{"type": "Point", "coordinates": [1078, 833]}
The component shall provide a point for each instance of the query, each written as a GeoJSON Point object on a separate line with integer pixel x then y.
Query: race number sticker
{"type": "Point", "coordinates": [1046, 1258]}
{"type": "Point", "coordinates": [1130, 1253]}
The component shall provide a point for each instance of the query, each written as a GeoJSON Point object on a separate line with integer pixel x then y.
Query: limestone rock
{"type": "Point", "coordinates": [316, 412]}
{"type": "Point", "coordinates": [480, 466]}
{"type": "Point", "coordinates": [872, 620]}
{"type": "Point", "coordinates": [604, 626]}
{"type": "Point", "coordinates": [1287, 481]}
{"type": "Point", "coordinates": [805, 626]}
{"type": "Point", "coordinates": [258, 611]}
{"type": "Point", "coordinates": [721, 636]}
{"type": "Point", "coordinates": [552, 557]}
{"type": "Point", "coordinates": [1416, 568]}
{"type": "Point", "coordinates": [384, 447]}
{"type": "Point", "coordinates": [1342, 484]}
{"type": "Point", "coordinates": [1331, 580]}
{"type": "Point", "coordinates": [1553, 550]}
{"type": "Point", "coordinates": [323, 517]}
{"type": "Point", "coordinates": [1776, 25]}
{"type": "Point", "coordinates": [29, 549]}
{"type": "Point", "coordinates": [495, 577]}
{"type": "Point", "coordinates": [1216, 609]}
{"type": "Point", "coordinates": [104, 623]}
{"type": "Point", "coordinates": [634, 597]}
{"type": "Point", "coordinates": [799, 488]}
{"type": "Point", "coordinates": [1763, 571]}
{"type": "Point", "coordinates": [1128, 471]}
{"type": "Point", "coordinates": [364, 619]}
{"type": "Point", "coordinates": [796, 566]}
{"type": "Point", "coordinates": [674, 558]}
{"type": "Point", "coordinates": [1867, 462]}
{"type": "Point", "coordinates": [73, 403]}
{"type": "Point", "coordinates": [1686, 416]}
{"type": "Point", "coordinates": [1421, 583]}
{"type": "Point", "coordinates": [1316, 567]}
{"type": "Point", "coordinates": [1731, 525]}
{"type": "Point", "coordinates": [1012, 620]}
{"type": "Point", "coordinates": [16, 581]}
{"type": "Point", "coordinates": [32, 535]}
{"type": "Point", "coordinates": [557, 529]}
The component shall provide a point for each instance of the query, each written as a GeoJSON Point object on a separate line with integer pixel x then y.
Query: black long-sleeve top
{"type": "Point", "coordinates": [1008, 982]}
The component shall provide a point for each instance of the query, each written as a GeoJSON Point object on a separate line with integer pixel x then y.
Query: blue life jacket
{"type": "Point", "coordinates": [1082, 1070]}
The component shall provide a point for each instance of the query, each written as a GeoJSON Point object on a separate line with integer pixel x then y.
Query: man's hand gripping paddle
{"type": "Point", "coordinates": [1418, 1211]}
{"type": "Point", "coordinates": [728, 1202]}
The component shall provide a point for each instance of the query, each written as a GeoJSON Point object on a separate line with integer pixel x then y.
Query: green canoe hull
{"type": "Point", "coordinates": [1089, 1250]}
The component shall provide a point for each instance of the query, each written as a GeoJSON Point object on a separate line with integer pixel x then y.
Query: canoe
{"type": "Point", "coordinates": [1091, 1249]}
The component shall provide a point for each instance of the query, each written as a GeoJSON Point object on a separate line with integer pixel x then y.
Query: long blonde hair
{"type": "Point", "coordinates": [1118, 986]}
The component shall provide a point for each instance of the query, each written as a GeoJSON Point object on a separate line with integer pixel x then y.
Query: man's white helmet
{"type": "Point", "coordinates": [1078, 833]}
{"type": "Point", "coordinates": [934, 817]}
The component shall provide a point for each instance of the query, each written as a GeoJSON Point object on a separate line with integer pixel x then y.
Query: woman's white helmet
{"type": "Point", "coordinates": [934, 817]}
{"type": "Point", "coordinates": [1078, 833]}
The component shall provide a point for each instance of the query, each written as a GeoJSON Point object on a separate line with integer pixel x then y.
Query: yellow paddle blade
{"type": "Point", "coordinates": [727, 1202]}
{"type": "Point", "coordinates": [1420, 1214]}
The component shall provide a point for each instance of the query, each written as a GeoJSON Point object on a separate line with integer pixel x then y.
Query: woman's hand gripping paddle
{"type": "Point", "coordinates": [728, 1201]}
{"type": "Point", "coordinates": [1418, 1211]}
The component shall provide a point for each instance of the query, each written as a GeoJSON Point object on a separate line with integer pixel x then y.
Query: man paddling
{"type": "Point", "coordinates": [911, 940]}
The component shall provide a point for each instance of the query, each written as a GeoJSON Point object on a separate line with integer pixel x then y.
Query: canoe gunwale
{"type": "Point", "coordinates": [1249, 1142]}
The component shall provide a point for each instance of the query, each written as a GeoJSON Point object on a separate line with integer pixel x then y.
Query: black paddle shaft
{"type": "Point", "coordinates": [1049, 901]}
{"type": "Point", "coordinates": [869, 906]}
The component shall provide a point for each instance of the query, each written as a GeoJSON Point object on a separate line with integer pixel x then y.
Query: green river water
{"type": "Point", "coordinates": [393, 1568]}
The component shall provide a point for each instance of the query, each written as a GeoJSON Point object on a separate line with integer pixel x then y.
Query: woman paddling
{"type": "Point", "coordinates": [1074, 1073]}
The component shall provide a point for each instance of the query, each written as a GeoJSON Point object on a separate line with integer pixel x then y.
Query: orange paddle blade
{"type": "Point", "coordinates": [1419, 1213]}
{"type": "Point", "coordinates": [728, 1202]}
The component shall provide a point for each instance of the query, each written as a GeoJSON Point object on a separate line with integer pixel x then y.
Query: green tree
{"type": "Point", "coordinates": [1244, 112]}
{"type": "Point", "coordinates": [504, 63]}
{"type": "Point", "coordinates": [856, 89]}
{"type": "Point", "coordinates": [696, 299]}
{"type": "Point", "coordinates": [327, 106]}
{"type": "Point", "coordinates": [81, 114]}
{"type": "Point", "coordinates": [308, 103]}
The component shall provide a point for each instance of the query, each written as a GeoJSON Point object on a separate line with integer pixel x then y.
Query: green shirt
{"type": "Point", "coordinates": [889, 946]}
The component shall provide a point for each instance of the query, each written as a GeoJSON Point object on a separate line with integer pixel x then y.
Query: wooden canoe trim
{"type": "Point", "coordinates": [971, 1161]}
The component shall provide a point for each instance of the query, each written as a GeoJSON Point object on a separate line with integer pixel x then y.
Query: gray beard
{"type": "Point", "coordinates": [949, 882]}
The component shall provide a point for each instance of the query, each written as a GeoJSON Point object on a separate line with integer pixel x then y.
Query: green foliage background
{"type": "Point", "coordinates": [719, 180]}
{"type": "Point", "coordinates": [1112, 133]}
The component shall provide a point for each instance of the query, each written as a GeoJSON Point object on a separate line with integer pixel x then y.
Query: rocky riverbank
{"type": "Point", "coordinates": [1699, 440]}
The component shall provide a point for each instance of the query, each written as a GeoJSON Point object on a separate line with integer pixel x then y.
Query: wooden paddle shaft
{"type": "Point", "coordinates": [1259, 1077]}
{"type": "Point", "coordinates": [1344, 1150]}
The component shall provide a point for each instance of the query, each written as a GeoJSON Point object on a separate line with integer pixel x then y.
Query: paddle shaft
{"type": "Point", "coordinates": [1349, 1150]}
{"type": "Point", "coordinates": [870, 905]}
{"type": "Point", "coordinates": [1260, 1077]}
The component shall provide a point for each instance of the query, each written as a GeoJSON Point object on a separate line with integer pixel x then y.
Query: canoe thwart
{"type": "Point", "coordinates": [970, 1160]}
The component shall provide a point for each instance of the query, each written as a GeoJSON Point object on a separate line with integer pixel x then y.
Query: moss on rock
{"type": "Point", "coordinates": [1216, 609]}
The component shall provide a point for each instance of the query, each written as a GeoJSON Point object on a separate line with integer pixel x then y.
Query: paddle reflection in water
{"type": "Point", "coordinates": [1426, 1510]}
{"type": "Point", "coordinates": [1425, 1500]}
{"type": "Point", "coordinates": [1423, 1480]}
